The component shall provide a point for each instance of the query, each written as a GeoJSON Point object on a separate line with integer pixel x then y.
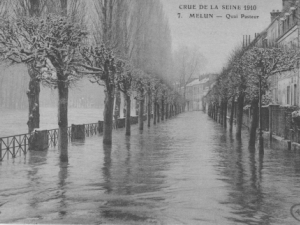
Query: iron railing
{"type": "Point", "coordinates": [53, 137]}
{"type": "Point", "coordinates": [11, 146]}
{"type": "Point", "coordinates": [91, 129]}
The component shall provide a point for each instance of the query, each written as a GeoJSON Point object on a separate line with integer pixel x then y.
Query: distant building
{"type": "Point", "coordinates": [194, 94]}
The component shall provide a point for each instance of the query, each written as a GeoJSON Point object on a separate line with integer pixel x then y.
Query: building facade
{"type": "Point", "coordinates": [283, 32]}
{"type": "Point", "coordinates": [194, 94]}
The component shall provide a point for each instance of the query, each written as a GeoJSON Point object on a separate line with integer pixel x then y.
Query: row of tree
{"type": "Point", "coordinates": [14, 84]}
{"type": "Point", "coordinates": [120, 53]}
{"type": "Point", "coordinates": [241, 81]}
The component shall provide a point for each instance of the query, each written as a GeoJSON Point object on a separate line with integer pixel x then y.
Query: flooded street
{"type": "Point", "coordinates": [187, 170]}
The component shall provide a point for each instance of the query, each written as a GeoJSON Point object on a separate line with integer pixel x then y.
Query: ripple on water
{"type": "Point", "coordinates": [187, 170]}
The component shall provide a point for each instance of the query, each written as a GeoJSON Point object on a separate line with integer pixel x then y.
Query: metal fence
{"type": "Point", "coordinates": [53, 137]}
{"type": "Point", "coordinates": [247, 117]}
{"type": "Point", "coordinates": [278, 122]}
{"type": "Point", "coordinates": [92, 129]}
{"type": "Point", "coordinates": [12, 146]}
{"type": "Point", "coordinates": [283, 124]}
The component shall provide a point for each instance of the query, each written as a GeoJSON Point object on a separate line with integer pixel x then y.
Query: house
{"type": "Point", "coordinates": [194, 94]}
{"type": "Point", "coordinates": [283, 31]}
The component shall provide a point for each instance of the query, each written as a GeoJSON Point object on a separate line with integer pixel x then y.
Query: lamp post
{"type": "Point", "coordinates": [260, 138]}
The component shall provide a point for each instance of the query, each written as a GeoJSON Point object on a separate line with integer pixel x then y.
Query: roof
{"type": "Point", "coordinates": [203, 81]}
{"type": "Point", "coordinates": [197, 82]}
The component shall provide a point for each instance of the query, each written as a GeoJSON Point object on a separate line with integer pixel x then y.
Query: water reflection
{"type": "Point", "coordinates": [35, 161]}
{"type": "Point", "coordinates": [244, 170]}
{"type": "Point", "coordinates": [77, 142]}
{"type": "Point", "coordinates": [106, 169]}
{"type": "Point", "coordinates": [132, 177]}
{"type": "Point", "coordinates": [128, 165]}
{"type": "Point", "coordinates": [62, 189]}
{"type": "Point", "coordinates": [186, 170]}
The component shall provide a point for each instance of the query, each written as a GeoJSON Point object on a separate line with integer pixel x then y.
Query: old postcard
{"type": "Point", "coordinates": [149, 112]}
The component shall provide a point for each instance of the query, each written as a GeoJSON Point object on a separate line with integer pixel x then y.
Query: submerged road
{"type": "Point", "coordinates": [187, 170]}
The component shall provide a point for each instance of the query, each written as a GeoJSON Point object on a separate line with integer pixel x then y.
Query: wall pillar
{"type": "Point", "coordinates": [77, 132]}
{"type": "Point", "coordinates": [100, 126]}
{"type": "Point", "coordinates": [39, 140]}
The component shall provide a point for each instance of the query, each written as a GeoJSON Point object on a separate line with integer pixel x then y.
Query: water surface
{"type": "Point", "coordinates": [187, 170]}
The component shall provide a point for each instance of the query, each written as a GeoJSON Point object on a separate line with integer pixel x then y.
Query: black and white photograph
{"type": "Point", "coordinates": [150, 112]}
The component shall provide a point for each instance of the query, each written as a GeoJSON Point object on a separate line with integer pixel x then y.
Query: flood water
{"type": "Point", "coordinates": [13, 122]}
{"type": "Point", "coordinates": [187, 170]}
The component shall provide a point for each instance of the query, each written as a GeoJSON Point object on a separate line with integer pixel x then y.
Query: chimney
{"type": "Point", "coordinates": [274, 15]}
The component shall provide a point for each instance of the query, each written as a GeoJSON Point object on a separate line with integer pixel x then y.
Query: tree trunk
{"type": "Point", "coordinates": [63, 93]}
{"type": "Point", "coordinates": [118, 103]}
{"type": "Point", "coordinates": [231, 115]}
{"type": "Point", "coordinates": [158, 112]}
{"type": "Point", "coordinates": [254, 122]}
{"type": "Point", "coordinates": [108, 115]}
{"type": "Point", "coordinates": [141, 114]}
{"type": "Point", "coordinates": [33, 94]}
{"type": "Point", "coordinates": [221, 113]}
{"type": "Point", "coordinates": [239, 119]}
{"type": "Point", "coordinates": [127, 119]}
{"type": "Point", "coordinates": [136, 107]}
{"type": "Point", "coordinates": [167, 111]}
{"type": "Point", "coordinates": [149, 108]}
{"type": "Point", "coordinates": [225, 114]}
{"type": "Point", "coordinates": [162, 110]}
{"type": "Point", "coordinates": [154, 112]}
{"type": "Point", "coordinates": [175, 109]}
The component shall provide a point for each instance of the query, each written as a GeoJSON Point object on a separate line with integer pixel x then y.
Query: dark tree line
{"type": "Point", "coordinates": [239, 84]}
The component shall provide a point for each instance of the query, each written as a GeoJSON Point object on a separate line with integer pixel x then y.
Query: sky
{"type": "Point", "coordinates": [216, 37]}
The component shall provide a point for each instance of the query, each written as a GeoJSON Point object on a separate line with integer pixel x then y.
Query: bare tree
{"type": "Point", "coordinates": [50, 46]}
{"type": "Point", "coordinates": [100, 64]}
{"type": "Point", "coordinates": [32, 8]}
{"type": "Point", "coordinates": [38, 8]}
{"type": "Point", "coordinates": [124, 82]}
{"type": "Point", "coordinates": [261, 64]}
